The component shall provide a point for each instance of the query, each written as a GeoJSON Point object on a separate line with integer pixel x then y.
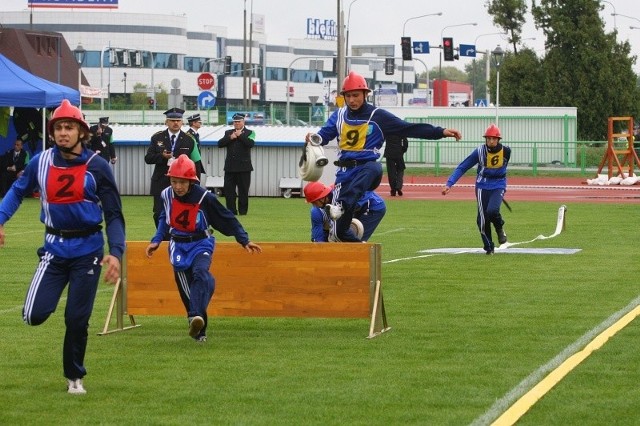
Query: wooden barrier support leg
{"type": "Point", "coordinates": [378, 315]}
{"type": "Point", "coordinates": [117, 300]}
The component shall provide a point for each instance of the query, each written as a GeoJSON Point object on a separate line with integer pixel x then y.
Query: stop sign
{"type": "Point", "coordinates": [206, 81]}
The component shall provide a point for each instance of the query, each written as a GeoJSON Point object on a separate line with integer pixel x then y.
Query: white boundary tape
{"type": "Point", "coordinates": [560, 226]}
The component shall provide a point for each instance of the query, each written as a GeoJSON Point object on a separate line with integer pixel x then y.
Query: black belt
{"type": "Point", "coordinates": [74, 233]}
{"type": "Point", "coordinates": [349, 164]}
{"type": "Point", "coordinates": [189, 238]}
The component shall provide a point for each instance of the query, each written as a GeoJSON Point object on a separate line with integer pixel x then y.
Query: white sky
{"type": "Point", "coordinates": [370, 21]}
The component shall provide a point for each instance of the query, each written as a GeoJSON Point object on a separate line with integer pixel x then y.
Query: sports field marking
{"type": "Point", "coordinates": [408, 258]}
{"type": "Point", "coordinates": [504, 250]}
{"type": "Point", "coordinates": [391, 231]}
{"type": "Point", "coordinates": [513, 405]}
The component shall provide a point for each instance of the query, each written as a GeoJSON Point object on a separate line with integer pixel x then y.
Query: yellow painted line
{"type": "Point", "coordinates": [522, 405]}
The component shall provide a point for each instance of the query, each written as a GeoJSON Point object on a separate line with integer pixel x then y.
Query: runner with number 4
{"type": "Point", "coordinates": [189, 211]}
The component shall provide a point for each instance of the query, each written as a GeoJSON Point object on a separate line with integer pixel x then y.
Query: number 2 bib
{"type": "Point", "coordinates": [66, 184]}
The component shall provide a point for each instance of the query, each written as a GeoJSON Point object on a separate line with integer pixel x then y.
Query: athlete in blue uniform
{"type": "Point", "coordinates": [370, 211]}
{"type": "Point", "coordinates": [492, 159]}
{"type": "Point", "coordinates": [77, 188]}
{"type": "Point", "coordinates": [360, 129]}
{"type": "Point", "coordinates": [189, 211]}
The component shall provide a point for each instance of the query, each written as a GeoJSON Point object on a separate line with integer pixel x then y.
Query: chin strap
{"type": "Point", "coordinates": [69, 150]}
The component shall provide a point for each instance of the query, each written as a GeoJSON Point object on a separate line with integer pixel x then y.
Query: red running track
{"type": "Point", "coordinates": [562, 190]}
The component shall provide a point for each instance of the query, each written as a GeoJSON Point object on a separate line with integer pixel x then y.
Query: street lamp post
{"type": "Point", "coordinates": [613, 14]}
{"type": "Point", "coordinates": [347, 52]}
{"type": "Point", "coordinates": [124, 78]}
{"type": "Point", "coordinates": [497, 55]}
{"type": "Point", "coordinates": [625, 16]}
{"type": "Point", "coordinates": [440, 65]}
{"type": "Point", "coordinates": [475, 43]}
{"type": "Point", "coordinates": [79, 53]}
{"type": "Point", "coordinates": [403, 34]}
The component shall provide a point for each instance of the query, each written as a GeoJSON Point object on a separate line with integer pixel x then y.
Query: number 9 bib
{"type": "Point", "coordinates": [353, 137]}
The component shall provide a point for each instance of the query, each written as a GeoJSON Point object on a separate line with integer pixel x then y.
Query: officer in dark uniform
{"type": "Point", "coordinates": [237, 164]}
{"type": "Point", "coordinates": [102, 140]}
{"type": "Point", "coordinates": [195, 122]}
{"type": "Point", "coordinates": [167, 145]}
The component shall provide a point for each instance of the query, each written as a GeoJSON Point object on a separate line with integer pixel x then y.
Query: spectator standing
{"type": "Point", "coordinates": [189, 213]}
{"type": "Point", "coordinates": [195, 122]}
{"type": "Point", "coordinates": [167, 145]}
{"type": "Point", "coordinates": [360, 129]}
{"type": "Point", "coordinates": [492, 159]}
{"type": "Point", "coordinates": [13, 165]}
{"type": "Point", "coordinates": [77, 190]}
{"type": "Point", "coordinates": [394, 150]}
{"type": "Point", "coordinates": [102, 140]}
{"type": "Point", "coordinates": [237, 165]}
{"type": "Point", "coordinates": [370, 211]}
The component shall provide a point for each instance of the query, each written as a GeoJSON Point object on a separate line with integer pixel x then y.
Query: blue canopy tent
{"type": "Point", "coordinates": [20, 88]}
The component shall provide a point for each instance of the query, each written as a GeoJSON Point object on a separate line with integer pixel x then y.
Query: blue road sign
{"type": "Point", "coordinates": [317, 111]}
{"type": "Point", "coordinates": [420, 47]}
{"type": "Point", "coordinates": [481, 103]}
{"type": "Point", "coordinates": [468, 50]}
{"type": "Point", "coordinates": [206, 100]}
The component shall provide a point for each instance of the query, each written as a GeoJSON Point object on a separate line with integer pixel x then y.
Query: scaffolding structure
{"type": "Point", "coordinates": [618, 159]}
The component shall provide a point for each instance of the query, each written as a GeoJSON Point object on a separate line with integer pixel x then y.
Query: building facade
{"type": "Point", "coordinates": [130, 53]}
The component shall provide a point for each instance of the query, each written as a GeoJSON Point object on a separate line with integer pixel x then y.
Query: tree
{"type": "Point", "coordinates": [584, 67]}
{"type": "Point", "coordinates": [450, 73]}
{"type": "Point", "coordinates": [521, 79]}
{"type": "Point", "coordinates": [509, 15]}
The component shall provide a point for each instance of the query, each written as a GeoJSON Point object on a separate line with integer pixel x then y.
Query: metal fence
{"type": "Point", "coordinates": [578, 156]}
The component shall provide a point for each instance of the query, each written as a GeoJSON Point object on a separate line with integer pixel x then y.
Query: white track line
{"type": "Point", "coordinates": [515, 403]}
{"type": "Point", "coordinates": [533, 187]}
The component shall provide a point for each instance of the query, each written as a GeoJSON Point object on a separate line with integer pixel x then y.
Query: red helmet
{"type": "Point", "coordinates": [492, 132]}
{"type": "Point", "coordinates": [184, 168]}
{"type": "Point", "coordinates": [315, 191]}
{"type": "Point", "coordinates": [66, 111]}
{"type": "Point", "coordinates": [354, 81]}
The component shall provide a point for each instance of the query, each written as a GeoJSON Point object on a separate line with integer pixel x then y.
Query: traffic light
{"type": "Point", "coordinates": [405, 43]}
{"type": "Point", "coordinates": [389, 66]}
{"type": "Point", "coordinates": [227, 65]}
{"type": "Point", "coordinates": [447, 47]}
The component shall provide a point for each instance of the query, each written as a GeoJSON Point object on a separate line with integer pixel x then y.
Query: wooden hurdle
{"type": "Point", "coordinates": [315, 280]}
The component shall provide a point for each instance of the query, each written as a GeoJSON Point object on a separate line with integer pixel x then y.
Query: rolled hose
{"type": "Point", "coordinates": [357, 228]}
{"type": "Point", "coordinates": [312, 160]}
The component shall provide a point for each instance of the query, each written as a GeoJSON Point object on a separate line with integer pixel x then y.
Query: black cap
{"type": "Point", "coordinates": [174, 113]}
{"type": "Point", "coordinates": [238, 117]}
{"type": "Point", "coordinates": [194, 117]}
{"type": "Point", "coordinates": [104, 120]}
